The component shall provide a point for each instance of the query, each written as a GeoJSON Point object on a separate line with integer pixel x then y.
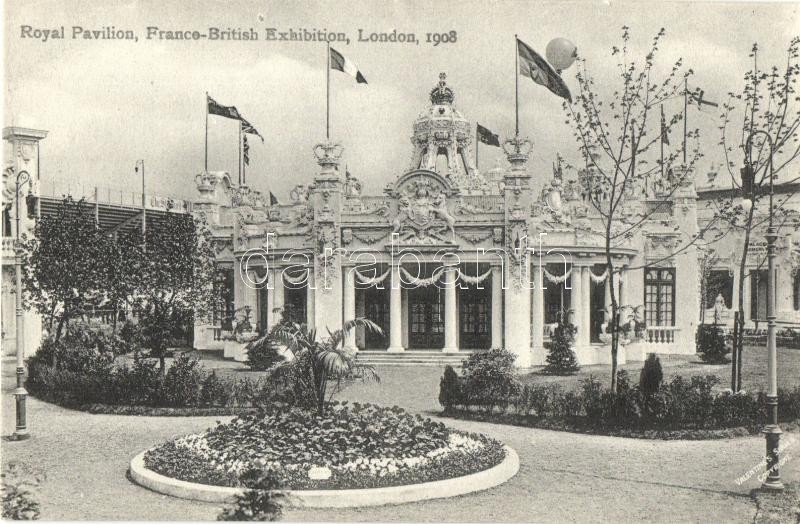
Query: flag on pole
{"type": "Point", "coordinates": [537, 69]}
{"type": "Point", "coordinates": [664, 130]}
{"type": "Point", "coordinates": [245, 150]}
{"type": "Point", "coordinates": [215, 108]}
{"type": "Point", "coordinates": [697, 96]}
{"type": "Point", "coordinates": [247, 127]}
{"type": "Point", "coordinates": [487, 137]}
{"type": "Point", "coordinates": [272, 200]}
{"type": "Point", "coordinates": [340, 63]}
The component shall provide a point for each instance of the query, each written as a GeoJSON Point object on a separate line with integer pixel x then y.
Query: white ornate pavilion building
{"type": "Point", "coordinates": [439, 260]}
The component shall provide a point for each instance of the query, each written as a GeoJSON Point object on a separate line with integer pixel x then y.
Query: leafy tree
{"type": "Point", "coordinates": [614, 135]}
{"type": "Point", "coordinates": [766, 106]}
{"type": "Point", "coordinates": [65, 264]}
{"type": "Point", "coordinates": [177, 268]}
{"type": "Point", "coordinates": [651, 376]}
{"type": "Point", "coordinates": [316, 362]}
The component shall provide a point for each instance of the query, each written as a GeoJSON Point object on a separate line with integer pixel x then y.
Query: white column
{"type": "Point", "coordinates": [517, 321]}
{"type": "Point", "coordinates": [277, 294]}
{"type": "Point", "coordinates": [349, 300]}
{"type": "Point", "coordinates": [586, 333]}
{"type": "Point", "coordinates": [607, 299]}
{"type": "Point", "coordinates": [539, 353]}
{"type": "Point", "coordinates": [310, 296]}
{"type": "Point", "coordinates": [450, 311]}
{"type": "Point", "coordinates": [395, 312]}
{"type": "Point", "coordinates": [748, 315]}
{"type": "Point", "coordinates": [619, 280]}
{"type": "Point", "coordinates": [497, 307]}
{"type": "Point", "coordinates": [576, 302]}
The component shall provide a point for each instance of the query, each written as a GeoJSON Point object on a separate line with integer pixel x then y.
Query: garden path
{"type": "Point", "coordinates": [563, 476]}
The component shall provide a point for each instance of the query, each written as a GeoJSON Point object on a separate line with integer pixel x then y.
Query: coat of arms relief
{"type": "Point", "coordinates": [422, 213]}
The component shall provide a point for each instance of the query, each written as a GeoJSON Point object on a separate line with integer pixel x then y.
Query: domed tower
{"type": "Point", "coordinates": [443, 140]}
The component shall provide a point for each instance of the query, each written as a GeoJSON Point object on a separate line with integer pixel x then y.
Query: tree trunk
{"type": "Point", "coordinates": [736, 350]}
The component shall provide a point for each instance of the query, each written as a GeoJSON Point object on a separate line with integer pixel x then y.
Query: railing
{"type": "Point", "coordinates": [115, 197]}
{"type": "Point", "coordinates": [661, 334]}
{"type": "Point", "coordinates": [9, 254]}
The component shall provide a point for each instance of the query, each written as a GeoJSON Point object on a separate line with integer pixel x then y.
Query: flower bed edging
{"type": "Point", "coordinates": [344, 498]}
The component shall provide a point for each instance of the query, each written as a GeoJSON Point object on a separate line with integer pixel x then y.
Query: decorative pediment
{"type": "Point", "coordinates": [421, 182]}
{"type": "Point", "coordinates": [422, 214]}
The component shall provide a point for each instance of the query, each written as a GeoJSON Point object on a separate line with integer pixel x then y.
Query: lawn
{"type": "Point", "coordinates": [754, 370]}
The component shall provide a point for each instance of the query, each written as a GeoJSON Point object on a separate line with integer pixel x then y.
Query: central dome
{"type": "Point", "coordinates": [443, 142]}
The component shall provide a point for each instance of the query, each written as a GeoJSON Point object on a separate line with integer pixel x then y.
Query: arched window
{"type": "Point", "coordinates": [7, 221]}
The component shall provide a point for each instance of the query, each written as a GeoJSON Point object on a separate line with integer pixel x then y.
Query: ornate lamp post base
{"type": "Point", "coordinates": [20, 394]}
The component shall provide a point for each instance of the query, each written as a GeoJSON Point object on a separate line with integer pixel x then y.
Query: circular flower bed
{"type": "Point", "coordinates": [351, 446]}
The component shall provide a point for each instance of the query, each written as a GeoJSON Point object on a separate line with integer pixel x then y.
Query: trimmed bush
{"type": "Point", "coordinates": [449, 389]}
{"type": "Point", "coordinates": [651, 375]}
{"type": "Point", "coordinates": [489, 379]}
{"type": "Point", "coordinates": [711, 345]}
{"type": "Point", "coordinates": [561, 358]}
{"type": "Point", "coordinates": [262, 353]}
{"type": "Point", "coordinates": [183, 382]}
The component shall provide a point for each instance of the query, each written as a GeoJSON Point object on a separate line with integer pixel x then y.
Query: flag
{"type": "Point", "coordinates": [697, 96]}
{"type": "Point", "coordinates": [487, 137]}
{"type": "Point", "coordinates": [340, 63]}
{"type": "Point", "coordinates": [537, 69]}
{"type": "Point", "coordinates": [272, 200]}
{"type": "Point", "coordinates": [664, 130]}
{"type": "Point", "coordinates": [215, 108]}
{"type": "Point", "coordinates": [247, 127]}
{"type": "Point", "coordinates": [246, 150]}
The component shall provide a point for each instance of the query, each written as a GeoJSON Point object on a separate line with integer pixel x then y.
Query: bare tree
{"type": "Point", "coordinates": [615, 137]}
{"type": "Point", "coordinates": [766, 106]}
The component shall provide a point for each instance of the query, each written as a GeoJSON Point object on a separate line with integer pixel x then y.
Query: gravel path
{"type": "Point", "coordinates": [563, 476]}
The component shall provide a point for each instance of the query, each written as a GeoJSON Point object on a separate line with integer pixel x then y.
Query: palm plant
{"type": "Point", "coordinates": [316, 362]}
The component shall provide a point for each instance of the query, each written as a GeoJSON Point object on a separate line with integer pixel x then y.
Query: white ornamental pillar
{"type": "Point", "coordinates": [539, 353]}
{"type": "Point", "coordinates": [450, 309]}
{"type": "Point", "coordinates": [619, 280]}
{"type": "Point", "coordinates": [395, 312]}
{"type": "Point", "coordinates": [497, 306]}
{"type": "Point", "coordinates": [586, 310]}
{"type": "Point", "coordinates": [310, 300]}
{"type": "Point", "coordinates": [349, 302]}
{"type": "Point", "coordinates": [576, 301]}
{"type": "Point", "coordinates": [607, 298]}
{"type": "Point", "coordinates": [517, 320]}
{"type": "Point", "coordinates": [277, 294]}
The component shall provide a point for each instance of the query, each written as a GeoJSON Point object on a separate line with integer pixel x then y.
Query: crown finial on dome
{"type": "Point", "coordinates": [441, 94]}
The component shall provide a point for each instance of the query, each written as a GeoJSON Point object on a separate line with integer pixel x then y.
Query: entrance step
{"type": "Point", "coordinates": [412, 358]}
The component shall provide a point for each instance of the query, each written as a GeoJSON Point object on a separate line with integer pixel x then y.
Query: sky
{"type": "Point", "coordinates": [108, 103]}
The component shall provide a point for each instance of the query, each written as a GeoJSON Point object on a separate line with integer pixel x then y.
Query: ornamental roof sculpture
{"type": "Point", "coordinates": [442, 142]}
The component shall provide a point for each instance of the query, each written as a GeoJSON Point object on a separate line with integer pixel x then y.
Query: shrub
{"type": "Point", "coordinates": [213, 392]}
{"type": "Point", "coordinates": [263, 353]}
{"type": "Point", "coordinates": [711, 345]}
{"type": "Point", "coordinates": [262, 502]}
{"type": "Point", "coordinates": [651, 375]}
{"type": "Point", "coordinates": [183, 382]}
{"type": "Point", "coordinates": [561, 358]}
{"type": "Point", "coordinates": [18, 497]}
{"type": "Point", "coordinates": [489, 380]}
{"type": "Point", "coordinates": [449, 389]}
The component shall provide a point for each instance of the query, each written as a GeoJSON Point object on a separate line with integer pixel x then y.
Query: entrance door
{"type": "Point", "coordinates": [376, 309]}
{"type": "Point", "coordinates": [426, 318]}
{"type": "Point", "coordinates": [475, 313]}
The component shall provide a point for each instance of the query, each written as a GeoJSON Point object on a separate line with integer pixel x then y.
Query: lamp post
{"type": "Point", "coordinates": [772, 431]}
{"type": "Point", "coordinates": [21, 431]}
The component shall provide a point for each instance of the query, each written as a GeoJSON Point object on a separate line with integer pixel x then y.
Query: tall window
{"type": "Point", "coordinates": [758, 294]}
{"type": "Point", "coordinates": [659, 296]}
{"type": "Point", "coordinates": [223, 304]}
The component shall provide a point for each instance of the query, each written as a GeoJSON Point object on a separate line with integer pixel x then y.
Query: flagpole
{"type": "Point", "coordinates": [206, 148]}
{"type": "Point", "coordinates": [516, 84]}
{"type": "Point", "coordinates": [240, 153]}
{"type": "Point", "coordinates": [662, 141]}
{"type": "Point", "coordinates": [685, 115]}
{"type": "Point", "coordinates": [477, 145]}
{"type": "Point", "coordinates": [328, 93]}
